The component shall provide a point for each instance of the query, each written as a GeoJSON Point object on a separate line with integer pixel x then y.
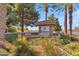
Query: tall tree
{"type": "Point", "coordinates": [65, 6]}
{"type": "Point", "coordinates": [62, 7]}
{"type": "Point", "coordinates": [45, 7]}
{"type": "Point", "coordinates": [70, 18]}
{"type": "Point", "coordinates": [26, 13]}
{"type": "Point", "coordinates": [55, 20]}
{"type": "Point", "coordinates": [46, 10]}
{"type": "Point", "coordinates": [65, 20]}
{"type": "Point", "coordinates": [58, 7]}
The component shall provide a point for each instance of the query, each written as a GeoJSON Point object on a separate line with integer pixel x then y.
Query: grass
{"type": "Point", "coordinates": [3, 52]}
{"type": "Point", "coordinates": [43, 47]}
{"type": "Point", "coordinates": [35, 47]}
{"type": "Point", "coordinates": [72, 48]}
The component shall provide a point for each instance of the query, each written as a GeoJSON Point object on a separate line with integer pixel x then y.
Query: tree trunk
{"type": "Point", "coordinates": [70, 18]}
{"type": "Point", "coordinates": [65, 20]}
{"type": "Point", "coordinates": [22, 24]}
{"type": "Point", "coordinates": [2, 22]}
{"type": "Point", "coordinates": [46, 11]}
{"type": "Point", "coordinates": [46, 16]}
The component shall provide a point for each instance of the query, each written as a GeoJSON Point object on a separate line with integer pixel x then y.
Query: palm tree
{"type": "Point", "coordinates": [70, 18]}
{"type": "Point", "coordinates": [65, 20]}
{"type": "Point", "coordinates": [46, 10]}
{"type": "Point", "coordinates": [70, 7]}
{"type": "Point", "coordinates": [62, 7]}
{"type": "Point", "coordinates": [44, 6]}
{"type": "Point", "coordinates": [2, 22]}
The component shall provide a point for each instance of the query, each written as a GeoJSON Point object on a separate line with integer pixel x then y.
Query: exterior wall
{"type": "Point", "coordinates": [44, 30]}
{"type": "Point", "coordinates": [2, 20]}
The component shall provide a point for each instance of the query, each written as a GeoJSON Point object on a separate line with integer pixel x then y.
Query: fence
{"type": "Point", "coordinates": [14, 35]}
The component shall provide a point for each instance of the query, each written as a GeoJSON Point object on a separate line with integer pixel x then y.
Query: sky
{"type": "Point", "coordinates": [60, 17]}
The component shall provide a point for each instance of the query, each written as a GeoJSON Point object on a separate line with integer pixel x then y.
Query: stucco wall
{"type": "Point", "coordinates": [45, 31]}
{"type": "Point", "coordinates": [44, 28]}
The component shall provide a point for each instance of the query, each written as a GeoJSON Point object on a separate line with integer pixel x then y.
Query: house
{"type": "Point", "coordinates": [46, 28]}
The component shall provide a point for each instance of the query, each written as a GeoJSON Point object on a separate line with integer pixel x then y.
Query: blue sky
{"type": "Point", "coordinates": [60, 17]}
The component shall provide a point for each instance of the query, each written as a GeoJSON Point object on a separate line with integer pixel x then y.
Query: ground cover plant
{"type": "Point", "coordinates": [72, 48]}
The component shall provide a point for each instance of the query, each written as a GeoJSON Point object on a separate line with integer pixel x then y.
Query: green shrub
{"type": "Point", "coordinates": [11, 37]}
{"type": "Point", "coordinates": [72, 48]}
{"type": "Point", "coordinates": [12, 29]}
{"type": "Point", "coordinates": [23, 49]}
{"type": "Point", "coordinates": [20, 42]}
{"type": "Point", "coordinates": [65, 39]}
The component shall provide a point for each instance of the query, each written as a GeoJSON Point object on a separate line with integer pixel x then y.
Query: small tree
{"type": "Point", "coordinates": [58, 27]}
{"type": "Point", "coordinates": [54, 19]}
{"type": "Point", "coordinates": [26, 13]}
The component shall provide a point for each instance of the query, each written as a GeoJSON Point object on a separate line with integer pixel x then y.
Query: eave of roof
{"type": "Point", "coordinates": [43, 23]}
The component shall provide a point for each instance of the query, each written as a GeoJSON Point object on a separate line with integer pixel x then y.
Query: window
{"type": "Point", "coordinates": [45, 28]}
